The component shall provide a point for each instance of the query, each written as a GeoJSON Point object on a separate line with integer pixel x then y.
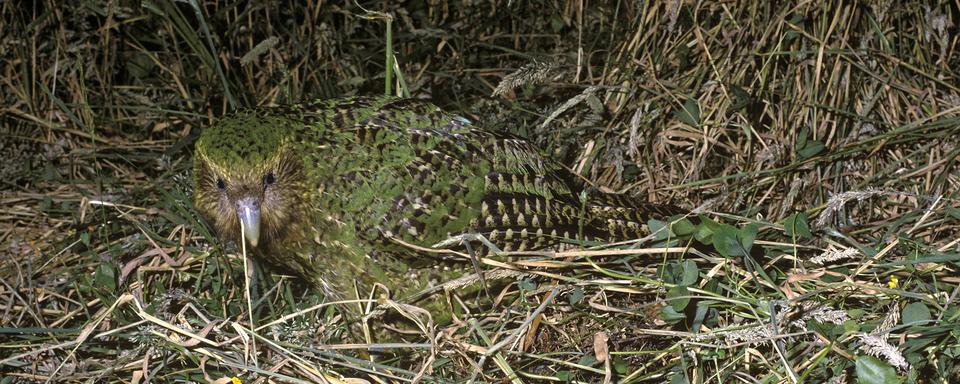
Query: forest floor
{"type": "Point", "coordinates": [817, 142]}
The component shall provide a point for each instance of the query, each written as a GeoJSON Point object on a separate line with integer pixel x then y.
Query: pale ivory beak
{"type": "Point", "coordinates": [249, 211]}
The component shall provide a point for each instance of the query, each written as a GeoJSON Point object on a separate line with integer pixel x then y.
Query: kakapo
{"type": "Point", "coordinates": [336, 191]}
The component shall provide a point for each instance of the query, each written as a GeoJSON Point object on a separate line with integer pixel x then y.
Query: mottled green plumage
{"type": "Point", "coordinates": [333, 184]}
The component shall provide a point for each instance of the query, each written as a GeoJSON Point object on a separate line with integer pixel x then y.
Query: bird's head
{"type": "Point", "coordinates": [248, 178]}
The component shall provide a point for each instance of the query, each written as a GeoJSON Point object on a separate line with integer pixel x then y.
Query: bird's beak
{"type": "Point", "coordinates": [249, 211]}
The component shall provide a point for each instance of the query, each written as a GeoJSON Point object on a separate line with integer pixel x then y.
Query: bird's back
{"type": "Point", "coordinates": [402, 168]}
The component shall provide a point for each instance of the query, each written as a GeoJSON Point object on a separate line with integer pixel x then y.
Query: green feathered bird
{"type": "Point", "coordinates": [335, 191]}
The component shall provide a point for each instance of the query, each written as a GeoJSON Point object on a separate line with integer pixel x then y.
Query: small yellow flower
{"type": "Point", "coordinates": [235, 380]}
{"type": "Point", "coordinates": [893, 283]}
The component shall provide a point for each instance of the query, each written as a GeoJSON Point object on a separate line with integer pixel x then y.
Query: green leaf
{"type": "Point", "coordinates": [679, 378]}
{"type": "Point", "coordinates": [812, 148]}
{"type": "Point", "coordinates": [802, 138]}
{"type": "Point", "coordinates": [690, 273]}
{"type": "Point", "coordinates": [621, 366]}
{"type": "Point", "coordinates": [630, 171]}
{"type": "Point", "coordinates": [668, 272]}
{"type": "Point", "coordinates": [690, 113]}
{"type": "Point", "coordinates": [856, 313]}
{"type": "Point", "coordinates": [824, 329]}
{"type": "Point", "coordinates": [105, 277]}
{"type": "Point", "coordinates": [699, 316]}
{"type": "Point", "coordinates": [575, 296]}
{"type": "Point", "coordinates": [850, 326]}
{"type": "Point", "coordinates": [678, 297]}
{"type": "Point", "coordinates": [85, 239]}
{"type": "Point", "coordinates": [587, 360]}
{"type": "Point", "coordinates": [747, 235]}
{"type": "Point", "coordinates": [683, 228]}
{"type": "Point", "coordinates": [658, 229]}
{"type": "Point", "coordinates": [797, 227]}
{"type": "Point", "coordinates": [704, 234]}
{"type": "Point", "coordinates": [670, 315]}
{"type": "Point", "coordinates": [705, 230]}
{"type": "Point", "coordinates": [741, 99]}
{"type": "Point", "coordinates": [527, 285]}
{"type": "Point", "coordinates": [792, 34]}
{"type": "Point", "coordinates": [871, 370]}
{"type": "Point", "coordinates": [915, 312]}
{"type": "Point", "coordinates": [726, 242]}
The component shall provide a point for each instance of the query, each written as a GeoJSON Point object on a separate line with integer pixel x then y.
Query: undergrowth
{"type": "Point", "coordinates": [816, 142]}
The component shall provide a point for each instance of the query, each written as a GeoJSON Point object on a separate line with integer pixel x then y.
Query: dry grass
{"type": "Point", "coordinates": [821, 136]}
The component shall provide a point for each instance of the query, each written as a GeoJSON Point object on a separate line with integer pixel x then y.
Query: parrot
{"type": "Point", "coordinates": [349, 192]}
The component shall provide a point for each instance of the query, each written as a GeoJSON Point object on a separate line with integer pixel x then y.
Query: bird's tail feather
{"type": "Point", "coordinates": [619, 217]}
{"type": "Point", "coordinates": [517, 224]}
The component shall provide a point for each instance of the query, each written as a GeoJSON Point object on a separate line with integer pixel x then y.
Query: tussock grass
{"type": "Point", "coordinates": [817, 140]}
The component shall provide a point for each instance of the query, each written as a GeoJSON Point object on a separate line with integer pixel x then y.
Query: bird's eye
{"type": "Point", "coordinates": [269, 178]}
{"type": "Point", "coordinates": [221, 185]}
